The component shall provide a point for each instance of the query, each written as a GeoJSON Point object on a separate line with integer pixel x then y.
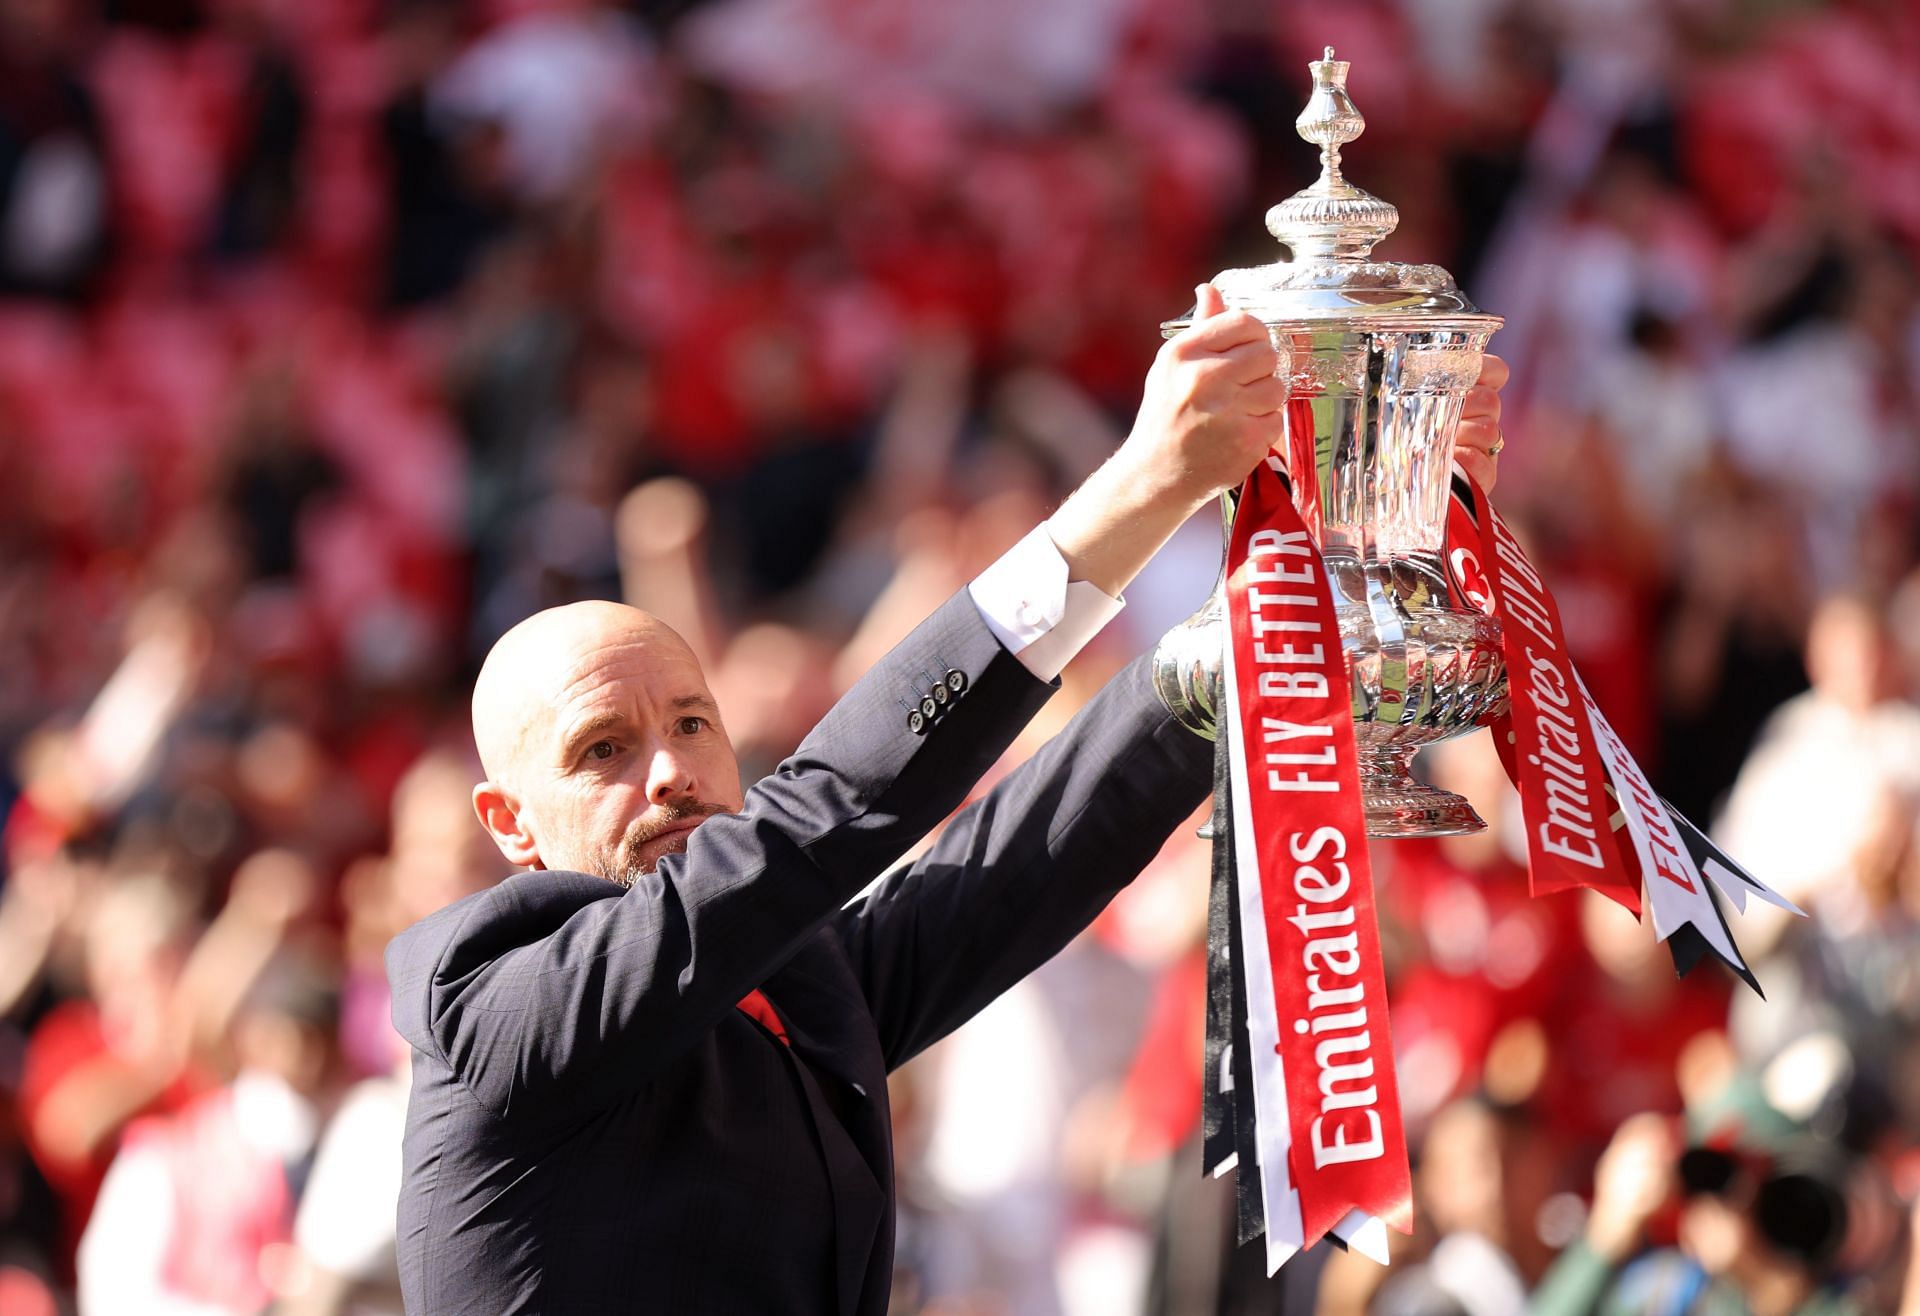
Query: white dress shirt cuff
{"type": "Point", "coordinates": [1041, 617]}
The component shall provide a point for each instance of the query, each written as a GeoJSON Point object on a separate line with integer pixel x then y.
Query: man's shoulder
{"type": "Point", "coordinates": [518, 903]}
{"type": "Point", "coordinates": [477, 929]}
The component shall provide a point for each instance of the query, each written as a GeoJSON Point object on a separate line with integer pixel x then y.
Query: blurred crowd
{"type": "Point", "coordinates": [338, 335]}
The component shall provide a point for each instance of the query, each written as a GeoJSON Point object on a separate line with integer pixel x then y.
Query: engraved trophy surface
{"type": "Point", "coordinates": [1381, 357]}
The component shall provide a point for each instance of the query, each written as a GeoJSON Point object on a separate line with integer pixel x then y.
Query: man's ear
{"type": "Point", "coordinates": [499, 811]}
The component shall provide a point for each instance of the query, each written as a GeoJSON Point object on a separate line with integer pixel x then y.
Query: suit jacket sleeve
{"type": "Point", "coordinates": [1019, 873]}
{"type": "Point", "coordinates": [542, 1011]}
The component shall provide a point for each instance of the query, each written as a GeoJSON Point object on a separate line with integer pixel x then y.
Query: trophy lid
{"type": "Point", "coordinates": [1331, 228]}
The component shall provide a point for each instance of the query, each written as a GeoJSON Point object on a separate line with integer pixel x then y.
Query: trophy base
{"type": "Point", "coordinates": [1406, 808]}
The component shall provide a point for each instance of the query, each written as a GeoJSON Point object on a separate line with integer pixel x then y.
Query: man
{"type": "Point", "coordinates": [653, 1077]}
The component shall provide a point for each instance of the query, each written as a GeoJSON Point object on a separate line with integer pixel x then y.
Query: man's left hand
{"type": "Point", "coordinates": [1477, 443]}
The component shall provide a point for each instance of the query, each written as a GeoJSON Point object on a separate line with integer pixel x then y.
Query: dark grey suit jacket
{"type": "Point", "coordinates": [594, 1127]}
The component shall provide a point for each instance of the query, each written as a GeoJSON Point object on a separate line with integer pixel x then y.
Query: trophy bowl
{"type": "Point", "coordinates": [1380, 356]}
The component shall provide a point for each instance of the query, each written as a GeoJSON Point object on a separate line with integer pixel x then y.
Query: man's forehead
{"type": "Point", "coordinates": [627, 681]}
{"type": "Point", "coordinates": [638, 662]}
{"type": "Point", "coordinates": [548, 668]}
{"type": "Point", "coordinates": [619, 677]}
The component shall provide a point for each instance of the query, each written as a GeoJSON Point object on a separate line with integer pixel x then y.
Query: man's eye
{"type": "Point", "coordinates": [692, 726]}
{"type": "Point", "coordinates": [601, 749]}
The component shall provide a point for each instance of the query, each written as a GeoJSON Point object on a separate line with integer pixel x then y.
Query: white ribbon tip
{"type": "Point", "coordinates": [1737, 886]}
{"type": "Point", "coordinates": [1285, 1233]}
{"type": "Point", "coordinates": [1279, 1253]}
{"type": "Point", "coordinates": [1365, 1234]}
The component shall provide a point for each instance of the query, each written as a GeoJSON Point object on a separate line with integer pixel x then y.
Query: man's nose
{"type": "Point", "coordinates": [669, 777]}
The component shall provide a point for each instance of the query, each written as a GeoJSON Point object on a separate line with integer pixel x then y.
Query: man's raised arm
{"type": "Point", "coordinates": [549, 988]}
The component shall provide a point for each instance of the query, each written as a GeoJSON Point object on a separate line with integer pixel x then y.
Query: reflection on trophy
{"type": "Point", "coordinates": [1381, 357]}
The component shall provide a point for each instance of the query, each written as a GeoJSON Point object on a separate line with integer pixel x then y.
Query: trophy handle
{"type": "Point", "coordinates": [1187, 663]}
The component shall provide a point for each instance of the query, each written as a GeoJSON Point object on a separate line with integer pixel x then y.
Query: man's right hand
{"type": "Point", "coordinates": [1211, 403]}
{"type": "Point", "coordinates": [1209, 411]}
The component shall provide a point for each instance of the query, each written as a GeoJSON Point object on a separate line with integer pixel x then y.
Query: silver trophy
{"type": "Point", "coordinates": [1381, 357]}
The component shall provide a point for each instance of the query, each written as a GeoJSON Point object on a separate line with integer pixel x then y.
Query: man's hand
{"type": "Point", "coordinates": [1208, 415]}
{"type": "Point", "coordinates": [1209, 412]}
{"type": "Point", "coordinates": [1212, 402]}
{"type": "Point", "coordinates": [1477, 443]}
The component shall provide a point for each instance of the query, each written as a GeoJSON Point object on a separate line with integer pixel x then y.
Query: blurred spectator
{"type": "Point", "coordinates": [1839, 333]}
{"type": "Point", "coordinates": [1465, 1224]}
{"type": "Point", "coordinates": [1656, 404]}
{"type": "Point", "coordinates": [197, 1211]}
{"type": "Point", "coordinates": [277, 470]}
{"type": "Point", "coordinates": [53, 180]}
{"type": "Point", "coordinates": [1831, 754]}
{"type": "Point", "coordinates": [257, 205]}
{"type": "Point", "coordinates": [1736, 619]}
{"type": "Point", "coordinates": [1759, 1227]}
{"type": "Point", "coordinates": [343, 1233]}
{"type": "Point", "coordinates": [446, 188]}
{"type": "Point", "coordinates": [1863, 951]}
{"type": "Point", "coordinates": [436, 855]}
{"type": "Point", "coordinates": [1844, 988]}
{"type": "Point", "coordinates": [95, 1063]}
{"type": "Point", "coordinates": [562, 83]}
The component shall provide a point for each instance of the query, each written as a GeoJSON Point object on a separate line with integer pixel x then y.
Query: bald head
{"type": "Point", "coordinates": [599, 738]}
{"type": "Point", "coordinates": [529, 667]}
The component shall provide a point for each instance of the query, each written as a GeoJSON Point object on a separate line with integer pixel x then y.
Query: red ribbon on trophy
{"type": "Point", "coordinates": [1592, 817]}
{"type": "Point", "coordinates": [1545, 739]}
{"type": "Point", "coordinates": [1330, 1146]}
{"type": "Point", "coordinates": [1302, 1092]}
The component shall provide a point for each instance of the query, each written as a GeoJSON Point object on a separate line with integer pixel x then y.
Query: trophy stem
{"type": "Point", "coordinates": [1399, 805]}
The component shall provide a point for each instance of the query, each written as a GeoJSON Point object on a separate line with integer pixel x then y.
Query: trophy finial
{"type": "Point", "coordinates": [1333, 219]}
{"type": "Point", "coordinates": [1330, 120]}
